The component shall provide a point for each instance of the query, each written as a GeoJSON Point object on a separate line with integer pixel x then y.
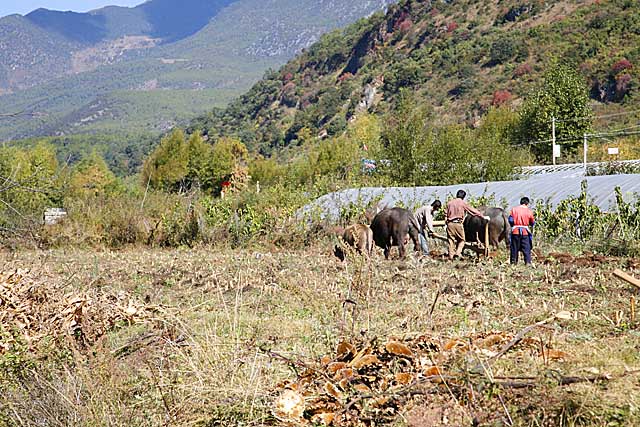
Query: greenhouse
{"type": "Point", "coordinates": [543, 188]}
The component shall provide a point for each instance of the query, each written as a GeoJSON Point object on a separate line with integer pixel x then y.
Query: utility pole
{"type": "Point", "coordinates": [553, 140]}
{"type": "Point", "coordinates": [584, 148]}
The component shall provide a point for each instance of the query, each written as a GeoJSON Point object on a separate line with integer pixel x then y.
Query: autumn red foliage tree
{"type": "Point", "coordinates": [621, 65]}
{"type": "Point", "coordinates": [501, 97]}
{"type": "Point", "coordinates": [287, 77]}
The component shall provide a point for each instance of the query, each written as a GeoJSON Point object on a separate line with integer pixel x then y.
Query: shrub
{"type": "Point", "coordinates": [613, 168]}
{"type": "Point", "coordinates": [522, 70]}
{"type": "Point", "coordinates": [621, 65]}
{"type": "Point", "coordinates": [506, 48]}
{"type": "Point", "coordinates": [501, 97]}
{"type": "Point", "coordinates": [575, 218]}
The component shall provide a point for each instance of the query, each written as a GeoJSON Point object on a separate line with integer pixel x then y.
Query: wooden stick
{"type": "Point", "coordinates": [632, 304]}
{"type": "Point", "coordinates": [467, 245]}
{"type": "Point", "coordinates": [439, 236]}
{"type": "Point", "coordinates": [627, 278]}
{"type": "Point", "coordinates": [486, 237]}
{"type": "Point", "coordinates": [435, 301]}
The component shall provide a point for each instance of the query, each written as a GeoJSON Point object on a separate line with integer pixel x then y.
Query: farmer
{"type": "Point", "coordinates": [455, 211]}
{"type": "Point", "coordinates": [424, 215]}
{"type": "Point", "coordinates": [521, 220]}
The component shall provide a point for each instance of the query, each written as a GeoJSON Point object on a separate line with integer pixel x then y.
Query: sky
{"type": "Point", "coordinates": [8, 7]}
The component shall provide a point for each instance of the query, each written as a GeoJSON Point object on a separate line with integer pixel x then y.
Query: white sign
{"type": "Point", "coordinates": [52, 216]}
{"type": "Point", "coordinates": [556, 151]}
{"type": "Point", "coordinates": [613, 151]}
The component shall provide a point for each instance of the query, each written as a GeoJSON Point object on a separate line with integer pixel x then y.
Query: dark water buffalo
{"type": "Point", "coordinates": [357, 236]}
{"type": "Point", "coordinates": [390, 227]}
{"type": "Point", "coordinates": [499, 228]}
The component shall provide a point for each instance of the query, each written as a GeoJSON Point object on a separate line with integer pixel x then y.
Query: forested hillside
{"type": "Point", "coordinates": [153, 66]}
{"type": "Point", "coordinates": [458, 59]}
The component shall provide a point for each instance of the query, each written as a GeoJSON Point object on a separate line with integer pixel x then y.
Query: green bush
{"type": "Point", "coordinates": [31, 182]}
{"type": "Point", "coordinates": [507, 48]}
{"type": "Point", "coordinates": [578, 220]}
{"type": "Point", "coordinates": [574, 219]}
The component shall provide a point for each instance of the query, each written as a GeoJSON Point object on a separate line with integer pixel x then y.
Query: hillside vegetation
{"type": "Point", "coordinates": [172, 49]}
{"type": "Point", "coordinates": [459, 59]}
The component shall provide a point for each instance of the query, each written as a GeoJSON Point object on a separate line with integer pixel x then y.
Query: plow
{"type": "Point", "coordinates": [477, 246]}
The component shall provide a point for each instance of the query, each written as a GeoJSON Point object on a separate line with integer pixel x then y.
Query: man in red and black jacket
{"type": "Point", "coordinates": [521, 220]}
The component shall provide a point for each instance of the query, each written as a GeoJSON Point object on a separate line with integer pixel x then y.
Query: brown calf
{"type": "Point", "coordinates": [357, 236]}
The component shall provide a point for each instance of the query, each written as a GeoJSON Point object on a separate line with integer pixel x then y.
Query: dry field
{"type": "Point", "coordinates": [217, 337]}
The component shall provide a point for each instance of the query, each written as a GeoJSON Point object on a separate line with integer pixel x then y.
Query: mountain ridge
{"type": "Point", "coordinates": [227, 55]}
{"type": "Point", "coordinates": [158, 20]}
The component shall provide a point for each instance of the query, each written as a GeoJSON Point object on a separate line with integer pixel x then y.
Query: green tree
{"type": "Point", "coordinates": [563, 95]}
{"type": "Point", "coordinates": [30, 181]}
{"type": "Point", "coordinates": [366, 131]}
{"type": "Point", "coordinates": [91, 177]}
{"type": "Point", "coordinates": [450, 159]}
{"type": "Point", "coordinates": [416, 154]}
{"type": "Point", "coordinates": [339, 157]}
{"type": "Point", "coordinates": [265, 171]}
{"type": "Point", "coordinates": [494, 145]}
{"type": "Point", "coordinates": [167, 166]}
{"type": "Point", "coordinates": [405, 139]}
{"type": "Point", "coordinates": [228, 157]}
{"type": "Point", "coordinates": [199, 164]}
{"type": "Point", "coordinates": [507, 47]}
{"type": "Point", "coordinates": [460, 154]}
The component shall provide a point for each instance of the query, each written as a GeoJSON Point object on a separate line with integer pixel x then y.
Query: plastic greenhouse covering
{"type": "Point", "coordinates": [548, 188]}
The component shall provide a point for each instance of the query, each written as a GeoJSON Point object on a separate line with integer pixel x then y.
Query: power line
{"type": "Point", "coordinates": [557, 140]}
{"type": "Point", "coordinates": [615, 130]}
{"type": "Point", "coordinates": [604, 116]}
{"type": "Point", "coordinates": [617, 134]}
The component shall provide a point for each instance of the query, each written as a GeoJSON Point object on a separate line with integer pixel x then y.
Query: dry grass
{"type": "Point", "coordinates": [229, 326]}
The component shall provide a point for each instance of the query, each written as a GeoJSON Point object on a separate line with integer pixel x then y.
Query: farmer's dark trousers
{"type": "Point", "coordinates": [520, 243]}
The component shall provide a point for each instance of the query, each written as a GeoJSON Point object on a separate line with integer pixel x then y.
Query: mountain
{"type": "Point", "coordinates": [66, 36]}
{"type": "Point", "coordinates": [456, 58]}
{"type": "Point", "coordinates": [149, 67]}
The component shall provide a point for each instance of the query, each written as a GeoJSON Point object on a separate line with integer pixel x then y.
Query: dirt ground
{"type": "Point", "coordinates": [251, 337]}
